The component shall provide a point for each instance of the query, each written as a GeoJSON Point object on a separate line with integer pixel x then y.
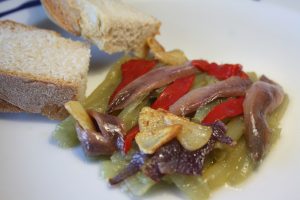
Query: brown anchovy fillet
{"type": "Point", "coordinates": [105, 141]}
{"type": "Point", "coordinates": [189, 103]}
{"type": "Point", "coordinates": [145, 84]}
{"type": "Point", "coordinates": [261, 98]}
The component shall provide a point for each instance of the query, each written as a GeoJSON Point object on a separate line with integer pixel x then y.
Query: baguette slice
{"type": "Point", "coordinates": [110, 24]}
{"type": "Point", "coordinates": [40, 70]}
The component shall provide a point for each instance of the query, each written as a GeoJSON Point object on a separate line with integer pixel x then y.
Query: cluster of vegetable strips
{"type": "Point", "coordinates": [232, 107]}
{"type": "Point", "coordinates": [188, 124]}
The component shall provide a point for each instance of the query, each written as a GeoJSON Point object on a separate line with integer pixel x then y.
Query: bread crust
{"type": "Point", "coordinates": [7, 107]}
{"type": "Point", "coordinates": [52, 112]}
{"type": "Point", "coordinates": [15, 27]}
{"type": "Point", "coordinates": [21, 93]}
{"type": "Point", "coordinates": [64, 14]}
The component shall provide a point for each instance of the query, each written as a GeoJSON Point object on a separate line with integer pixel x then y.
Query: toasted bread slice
{"type": "Point", "coordinates": [40, 70]}
{"type": "Point", "coordinates": [110, 24]}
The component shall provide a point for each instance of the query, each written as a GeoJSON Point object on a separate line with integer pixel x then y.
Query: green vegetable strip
{"type": "Point", "coordinates": [65, 133]}
{"type": "Point", "coordinates": [192, 186]}
{"type": "Point", "coordinates": [202, 80]}
{"type": "Point", "coordinates": [99, 98]}
{"type": "Point", "coordinates": [199, 81]}
{"type": "Point", "coordinates": [138, 184]}
{"type": "Point", "coordinates": [243, 169]}
{"type": "Point", "coordinates": [253, 76]}
{"type": "Point", "coordinates": [218, 174]}
{"type": "Point", "coordinates": [110, 168]}
{"type": "Point", "coordinates": [236, 128]}
{"type": "Point", "coordinates": [275, 118]}
{"type": "Point", "coordinates": [129, 115]}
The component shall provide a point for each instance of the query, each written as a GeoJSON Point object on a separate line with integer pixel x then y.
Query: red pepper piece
{"type": "Point", "coordinates": [131, 70]}
{"type": "Point", "coordinates": [129, 138]}
{"type": "Point", "coordinates": [203, 65]}
{"type": "Point", "coordinates": [221, 72]}
{"type": "Point", "coordinates": [230, 108]}
{"type": "Point", "coordinates": [173, 92]}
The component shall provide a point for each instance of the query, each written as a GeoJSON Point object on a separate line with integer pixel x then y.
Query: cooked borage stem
{"type": "Point", "coordinates": [223, 165]}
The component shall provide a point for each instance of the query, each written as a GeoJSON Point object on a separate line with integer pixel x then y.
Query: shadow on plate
{"type": "Point", "coordinates": [26, 117]}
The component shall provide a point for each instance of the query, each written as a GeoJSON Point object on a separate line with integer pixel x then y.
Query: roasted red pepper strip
{"type": "Point", "coordinates": [131, 70]}
{"type": "Point", "coordinates": [221, 72]}
{"type": "Point", "coordinates": [129, 138]}
{"type": "Point", "coordinates": [173, 92]}
{"type": "Point", "coordinates": [230, 108]}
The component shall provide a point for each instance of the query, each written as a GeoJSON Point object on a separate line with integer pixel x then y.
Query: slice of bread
{"type": "Point", "coordinates": [110, 24]}
{"type": "Point", "coordinates": [40, 70]}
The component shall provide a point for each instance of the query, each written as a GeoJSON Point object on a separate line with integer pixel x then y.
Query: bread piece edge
{"type": "Point", "coordinates": [23, 93]}
{"type": "Point", "coordinates": [73, 22]}
{"type": "Point", "coordinates": [56, 11]}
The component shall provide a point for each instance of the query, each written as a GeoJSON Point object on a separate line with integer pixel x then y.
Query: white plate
{"type": "Point", "coordinates": [264, 36]}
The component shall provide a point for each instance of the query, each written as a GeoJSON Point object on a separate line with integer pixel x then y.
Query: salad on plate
{"type": "Point", "coordinates": [194, 124]}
